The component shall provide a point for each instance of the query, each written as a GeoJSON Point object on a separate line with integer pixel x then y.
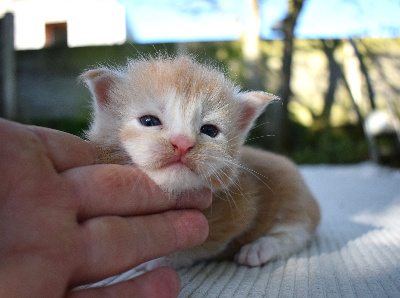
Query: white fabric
{"type": "Point", "coordinates": [355, 254]}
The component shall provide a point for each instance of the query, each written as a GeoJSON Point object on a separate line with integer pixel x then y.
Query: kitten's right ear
{"type": "Point", "coordinates": [100, 81]}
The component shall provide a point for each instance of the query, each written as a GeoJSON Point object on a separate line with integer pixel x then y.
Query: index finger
{"type": "Point", "coordinates": [66, 151]}
{"type": "Point", "coordinates": [110, 189]}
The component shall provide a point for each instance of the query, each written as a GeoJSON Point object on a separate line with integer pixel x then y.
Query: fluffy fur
{"type": "Point", "coordinates": [261, 208]}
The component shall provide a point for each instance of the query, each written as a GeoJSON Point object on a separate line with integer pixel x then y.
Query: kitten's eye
{"type": "Point", "coordinates": [150, 121]}
{"type": "Point", "coordinates": [209, 130]}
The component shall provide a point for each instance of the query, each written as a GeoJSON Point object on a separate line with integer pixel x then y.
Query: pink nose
{"type": "Point", "coordinates": [182, 144]}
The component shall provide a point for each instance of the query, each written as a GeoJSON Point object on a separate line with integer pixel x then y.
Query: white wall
{"type": "Point", "coordinates": [89, 22]}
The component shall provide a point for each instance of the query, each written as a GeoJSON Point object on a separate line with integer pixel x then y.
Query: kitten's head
{"type": "Point", "coordinates": [182, 123]}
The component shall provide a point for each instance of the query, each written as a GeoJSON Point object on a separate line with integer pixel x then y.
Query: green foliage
{"type": "Point", "coordinates": [307, 146]}
{"type": "Point", "coordinates": [330, 145]}
{"type": "Point", "coordinates": [72, 126]}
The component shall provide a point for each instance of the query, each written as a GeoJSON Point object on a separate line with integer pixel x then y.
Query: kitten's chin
{"type": "Point", "coordinates": [176, 179]}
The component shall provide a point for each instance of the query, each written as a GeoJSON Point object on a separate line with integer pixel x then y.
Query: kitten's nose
{"type": "Point", "coordinates": [182, 144]}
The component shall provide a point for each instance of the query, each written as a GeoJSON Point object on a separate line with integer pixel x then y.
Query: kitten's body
{"type": "Point", "coordinates": [184, 125]}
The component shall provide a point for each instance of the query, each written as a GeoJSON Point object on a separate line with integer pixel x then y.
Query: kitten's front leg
{"type": "Point", "coordinates": [258, 252]}
{"type": "Point", "coordinates": [280, 242]}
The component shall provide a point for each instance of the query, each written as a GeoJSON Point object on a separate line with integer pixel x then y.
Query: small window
{"type": "Point", "coordinates": [56, 34]}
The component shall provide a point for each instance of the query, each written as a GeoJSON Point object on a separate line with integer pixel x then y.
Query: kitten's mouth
{"type": "Point", "coordinates": [177, 166]}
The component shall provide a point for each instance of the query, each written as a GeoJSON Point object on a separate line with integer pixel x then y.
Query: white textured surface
{"type": "Point", "coordinates": [356, 252]}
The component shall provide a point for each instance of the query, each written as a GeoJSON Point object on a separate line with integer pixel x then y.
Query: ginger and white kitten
{"type": "Point", "coordinates": [184, 125]}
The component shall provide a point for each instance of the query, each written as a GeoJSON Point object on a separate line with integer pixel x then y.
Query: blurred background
{"type": "Point", "coordinates": [335, 64]}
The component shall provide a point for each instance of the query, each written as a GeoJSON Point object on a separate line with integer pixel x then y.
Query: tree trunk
{"type": "Point", "coordinates": [252, 56]}
{"type": "Point", "coordinates": [288, 25]}
{"type": "Point", "coordinates": [364, 71]}
{"type": "Point", "coordinates": [335, 72]}
{"type": "Point", "coordinates": [8, 82]}
{"type": "Point", "coordinates": [354, 80]}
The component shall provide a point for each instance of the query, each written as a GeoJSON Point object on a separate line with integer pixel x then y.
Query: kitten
{"type": "Point", "coordinates": [184, 125]}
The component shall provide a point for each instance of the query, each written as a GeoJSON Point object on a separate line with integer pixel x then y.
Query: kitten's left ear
{"type": "Point", "coordinates": [100, 82]}
{"type": "Point", "coordinates": [252, 105]}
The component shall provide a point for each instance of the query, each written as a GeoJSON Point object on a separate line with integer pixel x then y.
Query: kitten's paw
{"type": "Point", "coordinates": [257, 253]}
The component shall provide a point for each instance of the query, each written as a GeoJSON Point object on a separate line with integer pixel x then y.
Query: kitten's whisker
{"type": "Point", "coordinates": [234, 137]}
{"type": "Point", "coordinates": [236, 184]}
{"type": "Point", "coordinates": [225, 188]}
{"type": "Point", "coordinates": [259, 137]}
{"type": "Point", "coordinates": [227, 193]}
{"type": "Point", "coordinates": [253, 127]}
{"type": "Point", "coordinates": [224, 106]}
{"type": "Point", "coordinates": [258, 125]}
{"type": "Point", "coordinates": [254, 173]}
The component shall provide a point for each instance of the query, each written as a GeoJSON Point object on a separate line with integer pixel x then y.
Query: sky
{"type": "Point", "coordinates": [152, 21]}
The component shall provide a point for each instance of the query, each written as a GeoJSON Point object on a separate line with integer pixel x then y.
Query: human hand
{"type": "Point", "coordinates": [65, 221]}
